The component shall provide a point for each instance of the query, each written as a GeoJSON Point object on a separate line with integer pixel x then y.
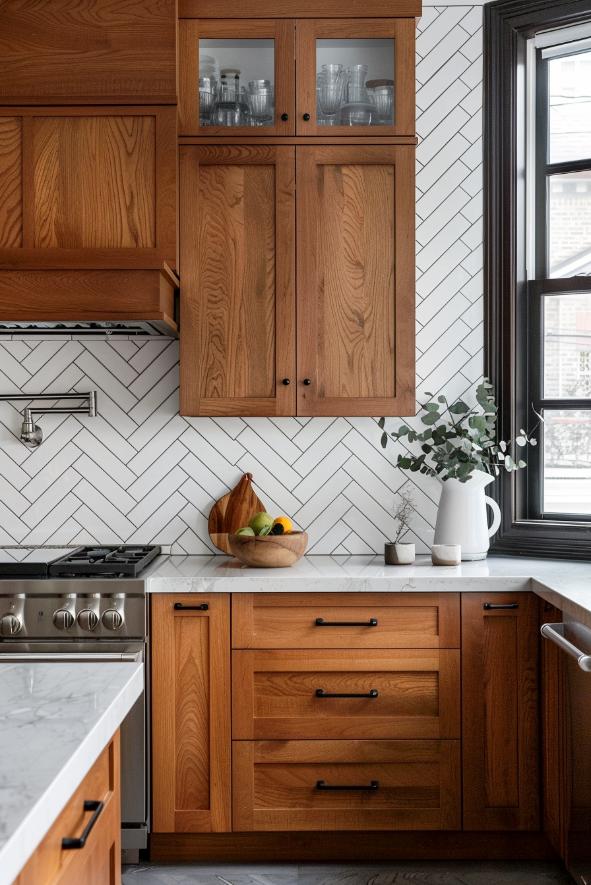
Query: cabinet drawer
{"type": "Point", "coordinates": [350, 620]}
{"type": "Point", "coordinates": [346, 785]}
{"type": "Point", "coordinates": [396, 694]}
{"type": "Point", "coordinates": [51, 864]}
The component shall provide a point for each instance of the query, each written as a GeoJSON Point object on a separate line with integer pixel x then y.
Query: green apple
{"type": "Point", "coordinates": [245, 530]}
{"type": "Point", "coordinates": [260, 522]}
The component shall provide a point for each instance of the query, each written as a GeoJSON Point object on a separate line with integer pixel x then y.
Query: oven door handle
{"type": "Point", "coordinates": [70, 658]}
{"type": "Point", "coordinates": [554, 633]}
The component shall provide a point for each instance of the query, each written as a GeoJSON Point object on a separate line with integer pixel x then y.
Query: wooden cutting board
{"type": "Point", "coordinates": [232, 511]}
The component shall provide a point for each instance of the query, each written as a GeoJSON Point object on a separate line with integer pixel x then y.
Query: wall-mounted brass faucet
{"type": "Point", "coordinates": [31, 433]}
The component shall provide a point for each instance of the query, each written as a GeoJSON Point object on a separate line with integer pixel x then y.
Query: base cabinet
{"type": "Point", "coordinates": [500, 711]}
{"type": "Point", "coordinates": [191, 714]}
{"type": "Point", "coordinates": [98, 862]}
{"type": "Point", "coordinates": [365, 712]}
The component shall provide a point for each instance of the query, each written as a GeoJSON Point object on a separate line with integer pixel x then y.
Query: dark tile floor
{"type": "Point", "coordinates": [433, 873]}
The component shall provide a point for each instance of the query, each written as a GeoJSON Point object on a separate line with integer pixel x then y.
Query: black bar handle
{"type": "Point", "coordinates": [372, 693]}
{"type": "Point", "coordinates": [320, 622]}
{"type": "Point", "coordinates": [89, 805]}
{"type": "Point", "coordinates": [179, 607]}
{"type": "Point", "coordinates": [493, 606]}
{"type": "Point", "coordinates": [370, 787]}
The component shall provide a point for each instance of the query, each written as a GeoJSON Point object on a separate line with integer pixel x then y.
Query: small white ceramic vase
{"type": "Point", "coordinates": [399, 554]}
{"type": "Point", "coordinates": [461, 515]}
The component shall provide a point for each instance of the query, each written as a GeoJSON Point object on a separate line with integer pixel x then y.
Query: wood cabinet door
{"type": "Point", "coordinates": [93, 52]}
{"type": "Point", "coordinates": [500, 711]}
{"type": "Point", "coordinates": [260, 49]}
{"type": "Point", "coordinates": [191, 731]}
{"type": "Point", "coordinates": [384, 47]}
{"type": "Point", "coordinates": [355, 280]}
{"type": "Point", "coordinates": [88, 188]}
{"type": "Point", "coordinates": [237, 295]}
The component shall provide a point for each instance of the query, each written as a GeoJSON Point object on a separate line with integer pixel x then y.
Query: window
{"type": "Point", "coordinates": [538, 264]}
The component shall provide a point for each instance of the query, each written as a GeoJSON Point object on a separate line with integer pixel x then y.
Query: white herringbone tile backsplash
{"type": "Point", "coordinates": [141, 473]}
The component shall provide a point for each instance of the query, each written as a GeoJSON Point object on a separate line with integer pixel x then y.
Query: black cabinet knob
{"type": "Point", "coordinates": [286, 381]}
{"type": "Point", "coordinates": [307, 382]}
{"type": "Point", "coordinates": [285, 117]}
{"type": "Point", "coordinates": [306, 117]}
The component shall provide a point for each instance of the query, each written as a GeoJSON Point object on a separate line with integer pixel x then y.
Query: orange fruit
{"type": "Point", "coordinates": [284, 521]}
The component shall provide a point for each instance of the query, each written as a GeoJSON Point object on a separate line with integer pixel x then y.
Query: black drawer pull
{"type": "Point", "coordinates": [179, 607]}
{"type": "Point", "coordinates": [493, 606]}
{"type": "Point", "coordinates": [320, 622]}
{"type": "Point", "coordinates": [89, 805]}
{"type": "Point", "coordinates": [366, 788]}
{"type": "Point", "coordinates": [320, 693]}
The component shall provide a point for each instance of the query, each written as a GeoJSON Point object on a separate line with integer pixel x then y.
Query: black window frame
{"type": "Point", "coordinates": [513, 304]}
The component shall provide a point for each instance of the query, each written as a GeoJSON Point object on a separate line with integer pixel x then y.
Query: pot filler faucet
{"type": "Point", "coordinates": [31, 433]}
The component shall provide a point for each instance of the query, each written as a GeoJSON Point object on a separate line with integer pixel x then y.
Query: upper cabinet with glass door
{"type": "Point", "coordinates": [236, 77]}
{"type": "Point", "coordinates": [355, 75]}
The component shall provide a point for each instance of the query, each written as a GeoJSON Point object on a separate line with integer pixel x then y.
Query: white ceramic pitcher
{"type": "Point", "coordinates": [461, 516]}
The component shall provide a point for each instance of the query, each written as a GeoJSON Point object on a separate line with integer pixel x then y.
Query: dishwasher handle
{"type": "Point", "coordinates": [33, 657]}
{"type": "Point", "coordinates": [555, 633]}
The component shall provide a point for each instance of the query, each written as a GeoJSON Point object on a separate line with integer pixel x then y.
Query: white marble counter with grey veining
{"type": "Point", "coordinates": [55, 720]}
{"type": "Point", "coordinates": [567, 585]}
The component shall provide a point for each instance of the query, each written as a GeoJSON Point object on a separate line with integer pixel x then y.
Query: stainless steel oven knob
{"type": "Point", "coordinates": [63, 619]}
{"type": "Point", "coordinates": [10, 625]}
{"type": "Point", "coordinates": [87, 619]}
{"type": "Point", "coordinates": [112, 619]}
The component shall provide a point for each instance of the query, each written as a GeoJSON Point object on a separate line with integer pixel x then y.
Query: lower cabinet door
{"type": "Point", "coordinates": [191, 729]}
{"type": "Point", "coordinates": [346, 785]}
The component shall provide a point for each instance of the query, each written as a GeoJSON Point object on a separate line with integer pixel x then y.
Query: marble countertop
{"type": "Point", "coordinates": [55, 720]}
{"type": "Point", "coordinates": [566, 585]}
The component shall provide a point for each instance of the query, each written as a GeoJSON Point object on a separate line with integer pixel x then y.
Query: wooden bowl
{"type": "Point", "coordinates": [269, 551]}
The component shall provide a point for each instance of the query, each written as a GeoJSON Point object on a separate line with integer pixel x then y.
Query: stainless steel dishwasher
{"type": "Point", "coordinates": [575, 641]}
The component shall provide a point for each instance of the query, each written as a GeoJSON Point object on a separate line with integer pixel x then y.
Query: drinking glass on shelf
{"type": "Point", "coordinates": [330, 90]}
{"type": "Point", "coordinates": [230, 107]}
{"type": "Point", "coordinates": [260, 101]}
{"type": "Point", "coordinates": [381, 93]}
{"type": "Point", "coordinates": [358, 110]}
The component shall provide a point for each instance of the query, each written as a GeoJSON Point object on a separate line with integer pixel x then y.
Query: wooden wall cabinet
{"type": "Point", "coordinates": [353, 289]}
{"type": "Point", "coordinates": [91, 52]}
{"type": "Point", "coordinates": [191, 716]}
{"type": "Point", "coordinates": [500, 711]}
{"type": "Point", "coordinates": [99, 861]}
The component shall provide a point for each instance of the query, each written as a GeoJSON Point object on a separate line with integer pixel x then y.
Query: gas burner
{"type": "Point", "coordinates": [124, 561]}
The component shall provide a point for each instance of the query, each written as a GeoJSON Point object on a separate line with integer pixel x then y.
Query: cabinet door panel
{"type": "Point", "coordinates": [237, 306]}
{"type": "Point", "coordinates": [355, 280]}
{"type": "Point", "coordinates": [93, 187]}
{"type": "Point", "coordinates": [191, 714]}
{"type": "Point", "coordinates": [500, 711]}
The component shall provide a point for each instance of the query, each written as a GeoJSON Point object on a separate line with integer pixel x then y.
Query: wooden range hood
{"type": "Point", "coordinates": [89, 301]}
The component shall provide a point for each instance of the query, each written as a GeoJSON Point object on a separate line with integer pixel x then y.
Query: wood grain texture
{"type": "Point", "coordinates": [88, 51]}
{"type": "Point", "coordinates": [355, 289]}
{"type": "Point", "coordinates": [100, 861]}
{"type": "Point", "coordinates": [233, 511]}
{"type": "Point", "coordinates": [283, 35]}
{"type": "Point", "coordinates": [295, 9]}
{"type": "Point", "coordinates": [270, 551]}
{"type": "Point", "coordinates": [500, 713]}
{"type": "Point", "coordinates": [274, 694]}
{"type": "Point", "coordinates": [100, 295]}
{"type": "Point", "coordinates": [323, 847]}
{"type": "Point", "coordinates": [94, 182]}
{"type": "Point", "coordinates": [554, 726]}
{"type": "Point", "coordinates": [274, 785]}
{"type": "Point", "coordinates": [405, 620]}
{"type": "Point", "coordinates": [97, 189]}
{"type": "Point", "coordinates": [11, 212]}
{"type": "Point", "coordinates": [191, 715]}
{"type": "Point", "coordinates": [400, 31]}
{"type": "Point", "coordinates": [237, 299]}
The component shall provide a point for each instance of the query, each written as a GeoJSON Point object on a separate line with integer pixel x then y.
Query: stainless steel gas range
{"type": "Point", "coordinates": [86, 604]}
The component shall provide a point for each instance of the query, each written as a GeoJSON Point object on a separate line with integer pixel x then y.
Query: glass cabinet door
{"type": "Point", "coordinates": [236, 77]}
{"type": "Point", "coordinates": [355, 76]}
